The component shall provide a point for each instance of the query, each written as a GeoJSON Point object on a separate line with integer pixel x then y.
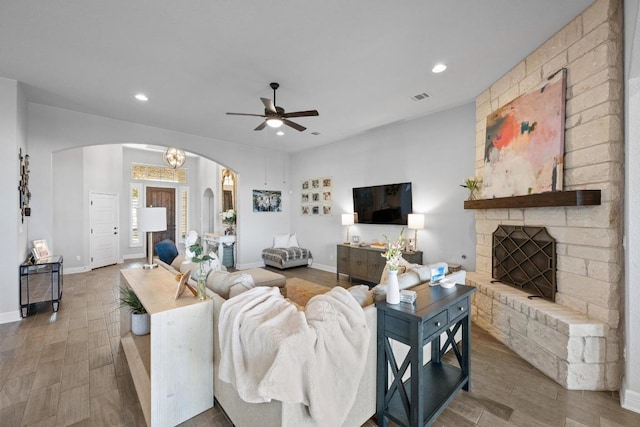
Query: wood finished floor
{"type": "Point", "coordinates": [68, 368]}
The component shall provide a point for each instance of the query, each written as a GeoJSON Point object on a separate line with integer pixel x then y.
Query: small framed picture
{"type": "Point", "coordinates": [40, 249]}
{"type": "Point", "coordinates": [355, 240]}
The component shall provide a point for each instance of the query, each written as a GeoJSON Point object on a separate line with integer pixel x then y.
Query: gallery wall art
{"type": "Point", "coordinates": [316, 196]}
{"type": "Point", "coordinates": [524, 146]}
{"type": "Point", "coordinates": [267, 201]}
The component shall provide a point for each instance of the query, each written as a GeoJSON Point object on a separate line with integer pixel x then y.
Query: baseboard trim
{"type": "Point", "coordinates": [329, 268]}
{"type": "Point", "coordinates": [10, 316]}
{"type": "Point", "coordinates": [133, 256]}
{"type": "Point", "coordinates": [76, 270]}
{"type": "Point", "coordinates": [629, 399]}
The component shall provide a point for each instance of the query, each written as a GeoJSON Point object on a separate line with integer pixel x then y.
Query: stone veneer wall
{"type": "Point", "coordinates": [589, 239]}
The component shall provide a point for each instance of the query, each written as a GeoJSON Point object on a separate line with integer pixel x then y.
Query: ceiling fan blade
{"type": "Point", "coordinates": [301, 114]}
{"type": "Point", "coordinates": [246, 114]}
{"type": "Point", "coordinates": [261, 125]}
{"type": "Point", "coordinates": [268, 104]}
{"type": "Point", "coordinates": [293, 125]}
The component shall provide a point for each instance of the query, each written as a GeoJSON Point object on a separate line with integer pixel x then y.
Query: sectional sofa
{"type": "Point", "coordinates": [276, 413]}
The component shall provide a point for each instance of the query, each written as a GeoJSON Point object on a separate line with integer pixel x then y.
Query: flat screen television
{"type": "Point", "coordinates": [383, 204]}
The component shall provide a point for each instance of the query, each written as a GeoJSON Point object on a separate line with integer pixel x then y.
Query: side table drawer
{"type": "Point", "coordinates": [459, 309]}
{"type": "Point", "coordinates": [434, 324]}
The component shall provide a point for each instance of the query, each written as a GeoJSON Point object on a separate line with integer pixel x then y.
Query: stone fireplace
{"type": "Point", "coordinates": [575, 340]}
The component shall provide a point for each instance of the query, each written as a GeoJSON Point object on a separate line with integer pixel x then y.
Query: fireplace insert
{"type": "Point", "coordinates": [525, 258]}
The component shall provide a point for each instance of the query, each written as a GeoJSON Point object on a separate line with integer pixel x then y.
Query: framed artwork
{"type": "Point", "coordinates": [524, 146]}
{"type": "Point", "coordinates": [40, 249]}
{"type": "Point", "coordinates": [182, 284]}
{"type": "Point", "coordinates": [315, 196]}
{"type": "Point", "coordinates": [267, 201]}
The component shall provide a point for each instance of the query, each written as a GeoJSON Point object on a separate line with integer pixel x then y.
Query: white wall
{"type": "Point", "coordinates": [69, 226]}
{"type": "Point", "coordinates": [14, 233]}
{"type": "Point", "coordinates": [431, 152]}
{"type": "Point", "coordinates": [630, 392]}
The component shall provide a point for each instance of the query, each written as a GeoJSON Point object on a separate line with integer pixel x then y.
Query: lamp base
{"type": "Point", "coordinates": [150, 265]}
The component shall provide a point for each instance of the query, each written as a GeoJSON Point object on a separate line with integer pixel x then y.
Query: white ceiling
{"type": "Point", "coordinates": [357, 62]}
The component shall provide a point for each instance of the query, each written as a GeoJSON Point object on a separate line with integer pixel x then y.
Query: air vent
{"type": "Point", "coordinates": [421, 96]}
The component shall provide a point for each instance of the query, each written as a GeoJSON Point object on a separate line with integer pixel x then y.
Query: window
{"type": "Point", "coordinates": [183, 225]}
{"type": "Point", "coordinates": [135, 190]}
{"type": "Point", "coordinates": [158, 173]}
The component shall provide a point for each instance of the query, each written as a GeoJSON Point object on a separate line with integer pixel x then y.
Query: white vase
{"type": "Point", "coordinates": [140, 324]}
{"type": "Point", "coordinates": [393, 291]}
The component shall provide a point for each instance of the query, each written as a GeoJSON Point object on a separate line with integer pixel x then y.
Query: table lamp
{"type": "Point", "coordinates": [415, 223]}
{"type": "Point", "coordinates": [348, 220]}
{"type": "Point", "coordinates": [150, 220]}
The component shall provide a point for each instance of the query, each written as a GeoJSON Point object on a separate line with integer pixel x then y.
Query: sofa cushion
{"type": "Point", "coordinates": [403, 267]}
{"type": "Point", "coordinates": [264, 277]}
{"type": "Point", "coordinates": [227, 284]}
{"type": "Point", "coordinates": [177, 262]}
{"type": "Point", "coordinates": [405, 280]}
{"type": "Point", "coordinates": [166, 251]}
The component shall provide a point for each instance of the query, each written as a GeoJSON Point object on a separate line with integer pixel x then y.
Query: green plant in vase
{"type": "Point", "coordinates": [200, 258]}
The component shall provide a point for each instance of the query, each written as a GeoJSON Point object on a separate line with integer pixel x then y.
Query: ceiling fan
{"type": "Point", "coordinates": [275, 116]}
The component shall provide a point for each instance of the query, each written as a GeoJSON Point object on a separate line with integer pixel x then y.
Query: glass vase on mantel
{"type": "Point", "coordinates": [393, 290]}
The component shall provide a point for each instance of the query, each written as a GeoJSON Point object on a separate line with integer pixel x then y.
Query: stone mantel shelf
{"type": "Point", "coordinates": [542, 200]}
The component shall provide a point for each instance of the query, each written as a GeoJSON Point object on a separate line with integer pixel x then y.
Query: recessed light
{"type": "Point", "coordinates": [141, 97]}
{"type": "Point", "coordinates": [280, 132]}
{"type": "Point", "coordinates": [438, 68]}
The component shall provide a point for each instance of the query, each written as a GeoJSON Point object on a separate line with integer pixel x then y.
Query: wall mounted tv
{"type": "Point", "coordinates": [383, 204]}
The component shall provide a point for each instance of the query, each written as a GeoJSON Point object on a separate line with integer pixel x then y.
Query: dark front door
{"type": "Point", "coordinates": [158, 197]}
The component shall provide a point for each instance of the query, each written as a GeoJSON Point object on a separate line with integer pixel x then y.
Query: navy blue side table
{"type": "Point", "coordinates": [419, 400]}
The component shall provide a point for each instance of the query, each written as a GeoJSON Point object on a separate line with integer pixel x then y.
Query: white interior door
{"type": "Point", "coordinates": [104, 229]}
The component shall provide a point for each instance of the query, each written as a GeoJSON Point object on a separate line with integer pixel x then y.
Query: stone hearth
{"type": "Point", "coordinates": [564, 344]}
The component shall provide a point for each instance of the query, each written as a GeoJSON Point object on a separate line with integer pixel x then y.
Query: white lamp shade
{"type": "Point", "coordinates": [416, 221]}
{"type": "Point", "coordinates": [152, 219]}
{"type": "Point", "coordinates": [347, 219]}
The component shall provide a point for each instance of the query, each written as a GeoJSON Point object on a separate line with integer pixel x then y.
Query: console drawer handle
{"type": "Point", "coordinates": [438, 324]}
{"type": "Point", "coordinates": [461, 308]}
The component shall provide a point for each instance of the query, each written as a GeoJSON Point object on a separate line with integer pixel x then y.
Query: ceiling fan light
{"type": "Point", "coordinates": [274, 122]}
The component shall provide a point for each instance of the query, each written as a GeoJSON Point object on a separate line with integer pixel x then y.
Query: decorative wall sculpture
{"type": "Point", "coordinates": [23, 187]}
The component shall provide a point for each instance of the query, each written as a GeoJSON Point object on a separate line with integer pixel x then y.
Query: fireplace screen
{"type": "Point", "coordinates": [525, 257]}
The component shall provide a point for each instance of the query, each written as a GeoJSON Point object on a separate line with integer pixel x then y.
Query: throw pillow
{"type": "Point", "coordinates": [166, 251]}
{"type": "Point", "coordinates": [424, 272]}
{"type": "Point", "coordinates": [402, 267]}
{"type": "Point", "coordinates": [293, 241]}
{"type": "Point", "coordinates": [281, 241]}
{"type": "Point", "coordinates": [362, 294]}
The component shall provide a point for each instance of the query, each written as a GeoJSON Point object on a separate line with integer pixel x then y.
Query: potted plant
{"type": "Point", "coordinates": [140, 321]}
{"type": "Point", "coordinates": [229, 219]}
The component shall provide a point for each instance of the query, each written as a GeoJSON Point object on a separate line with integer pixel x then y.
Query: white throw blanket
{"type": "Point", "coordinates": [270, 350]}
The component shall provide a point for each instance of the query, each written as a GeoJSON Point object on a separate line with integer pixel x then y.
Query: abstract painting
{"type": "Point", "coordinates": [524, 146]}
